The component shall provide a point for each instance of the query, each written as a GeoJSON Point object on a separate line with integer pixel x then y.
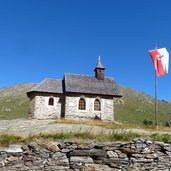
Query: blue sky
{"type": "Point", "coordinates": [46, 38]}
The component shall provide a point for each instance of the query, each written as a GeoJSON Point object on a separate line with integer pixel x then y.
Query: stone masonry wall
{"type": "Point", "coordinates": [137, 155]}
{"type": "Point", "coordinates": [32, 107]}
{"type": "Point", "coordinates": [72, 111]}
{"type": "Point", "coordinates": [44, 111]}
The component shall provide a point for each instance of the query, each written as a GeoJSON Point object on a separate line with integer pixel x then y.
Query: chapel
{"type": "Point", "coordinates": [76, 96]}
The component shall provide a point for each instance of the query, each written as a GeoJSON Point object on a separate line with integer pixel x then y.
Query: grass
{"type": "Point", "coordinates": [6, 139]}
{"type": "Point", "coordinates": [14, 107]}
{"type": "Point", "coordinates": [110, 125]}
{"type": "Point", "coordinates": [113, 125]}
{"type": "Point", "coordinates": [161, 137]}
{"type": "Point", "coordinates": [139, 107]}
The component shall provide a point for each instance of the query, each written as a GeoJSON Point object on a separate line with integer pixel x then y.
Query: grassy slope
{"type": "Point", "coordinates": [137, 107]}
{"type": "Point", "coordinates": [134, 107]}
{"type": "Point", "coordinates": [14, 102]}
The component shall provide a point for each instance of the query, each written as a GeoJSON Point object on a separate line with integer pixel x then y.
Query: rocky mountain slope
{"type": "Point", "coordinates": [133, 107]}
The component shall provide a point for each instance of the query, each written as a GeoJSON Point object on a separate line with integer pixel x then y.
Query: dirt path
{"type": "Point", "coordinates": [24, 127]}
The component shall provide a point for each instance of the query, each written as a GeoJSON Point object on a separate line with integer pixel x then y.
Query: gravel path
{"type": "Point", "coordinates": [24, 127]}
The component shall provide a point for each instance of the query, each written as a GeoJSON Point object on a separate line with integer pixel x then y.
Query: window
{"type": "Point", "coordinates": [51, 102]}
{"type": "Point", "coordinates": [97, 106]}
{"type": "Point", "coordinates": [82, 104]}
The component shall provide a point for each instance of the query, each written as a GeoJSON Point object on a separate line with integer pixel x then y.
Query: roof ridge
{"type": "Point", "coordinates": [51, 79]}
{"type": "Point", "coordinates": [38, 85]}
{"type": "Point", "coordinates": [76, 74]}
{"type": "Point", "coordinates": [86, 75]}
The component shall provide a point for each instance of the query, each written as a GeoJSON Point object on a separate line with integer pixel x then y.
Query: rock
{"type": "Point", "coordinates": [57, 168]}
{"type": "Point", "coordinates": [167, 148]}
{"type": "Point", "coordinates": [132, 146]}
{"type": "Point", "coordinates": [13, 149]}
{"type": "Point", "coordinates": [38, 162]}
{"type": "Point", "coordinates": [52, 146]}
{"type": "Point", "coordinates": [148, 142]}
{"type": "Point", "coordinates": [28, 163]}
{"type": "Point", "coordinates": [144, 160]}
{"type": "Point", "coordinates": [33, 146]}
{"type": "Point", "coordinates": [160, 154]}
{"type": "Point", "coordinates": [80, 153]}
{"type": "Point", "coordinates": [112, 154]}
{"type": "Point", "coordinates": [18, 166]}
{"type": "Point", "coordinates": [146, 150]}
{"type": "Point", "coordinates": [3, 155]}
{"type": "Point", "coordinates": [73, 146]}
{"type": "Point", "coordinates": [59, 155]}
{"type": "Point", "coordinates": [84, 160]}
{"type": "Point", "coordinates": [2, 164]}
{"type": "Point", "coordinates": [66, 150]}
{"type": "Point", "coordinates": [24, 148]}
{"type": "Point", "coordinates": [44, 154]}
{"type": "Point", "coordinates": [94, 153]}
{"type": "Point", "coordinates": [140, 146]}
{"type": "Point", "coordinates": [12, 158]}
{"type": "Point", "coordinates": [168, 153]}
{"type": "Point", "coordinates": [62, 145]}
{"type": "Point", "coordinates": [128, 151]}
{"type": "Point", "coordinates": [63, 162]}
{"type": "Point", "coordinates": [28, 158]}
{"type": "Point", "coordinates": [161, 144]}
{"type": "Point", "coordinates": [96, 167]}
{"type": "Point", "coordinates": [112, 146]}
{"type": "Point", "coordinates": [138, 155]}
{"type": "Point", "coordinates": [151, 156]}
{"type": "Point", "coordinates": [122, 155]}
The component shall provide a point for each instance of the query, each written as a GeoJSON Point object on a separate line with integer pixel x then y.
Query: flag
{"type": "Point", "coordinates": [160, 58]}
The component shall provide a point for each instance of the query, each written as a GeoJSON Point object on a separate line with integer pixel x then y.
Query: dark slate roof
{"type": "Point", "coordinates": [48, 86]}
{"type": "Point", "coordinates": [75, 83]}
{"type": "Point", "coordinates": [99, 64]}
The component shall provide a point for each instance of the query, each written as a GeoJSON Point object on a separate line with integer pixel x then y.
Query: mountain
{"type": "Point", "coordinates": [133, 107]}
{"type": "Point", "coordinates": [14, 102]}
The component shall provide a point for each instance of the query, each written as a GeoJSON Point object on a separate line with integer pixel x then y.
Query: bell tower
{"type": "Point", "coordinates": [99, 70]}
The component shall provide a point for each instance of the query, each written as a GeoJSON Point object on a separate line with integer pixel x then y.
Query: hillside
{"type": "Point", "coordinates": [14, 102]}
{"type": "Point", "coordinates": [133, 107]}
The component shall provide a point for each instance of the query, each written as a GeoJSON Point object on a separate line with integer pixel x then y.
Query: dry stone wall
{"type": "Point", "coordinates": [139, 154]}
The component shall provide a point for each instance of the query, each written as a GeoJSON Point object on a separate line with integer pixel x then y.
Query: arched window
{"type": "Point", "coordinates": [51, 102]}
{"type": "Point", "coordinates": [82, 104]}
{"type": "Point", "coordinates": [97, 106]}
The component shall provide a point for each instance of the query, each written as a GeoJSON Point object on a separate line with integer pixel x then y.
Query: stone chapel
{"type": "Point", "coordinates": [75, 97]}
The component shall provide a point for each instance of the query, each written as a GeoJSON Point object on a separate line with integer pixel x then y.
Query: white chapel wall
{"type": "Point", "coordinates": [42, 110]}
{"type": "Point", "coordinates": [72, 110]}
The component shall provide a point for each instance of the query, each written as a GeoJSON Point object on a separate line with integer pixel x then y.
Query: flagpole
{"type": "Point", "coordinates": [160, 58]}
{"type": "Point", "coordinates": [156, 102]}
{"type": "Point", "coordinates": [156, 96]}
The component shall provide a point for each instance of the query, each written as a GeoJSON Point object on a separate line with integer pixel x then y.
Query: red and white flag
{"type": "Point", "coordinates": [160, 58]}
